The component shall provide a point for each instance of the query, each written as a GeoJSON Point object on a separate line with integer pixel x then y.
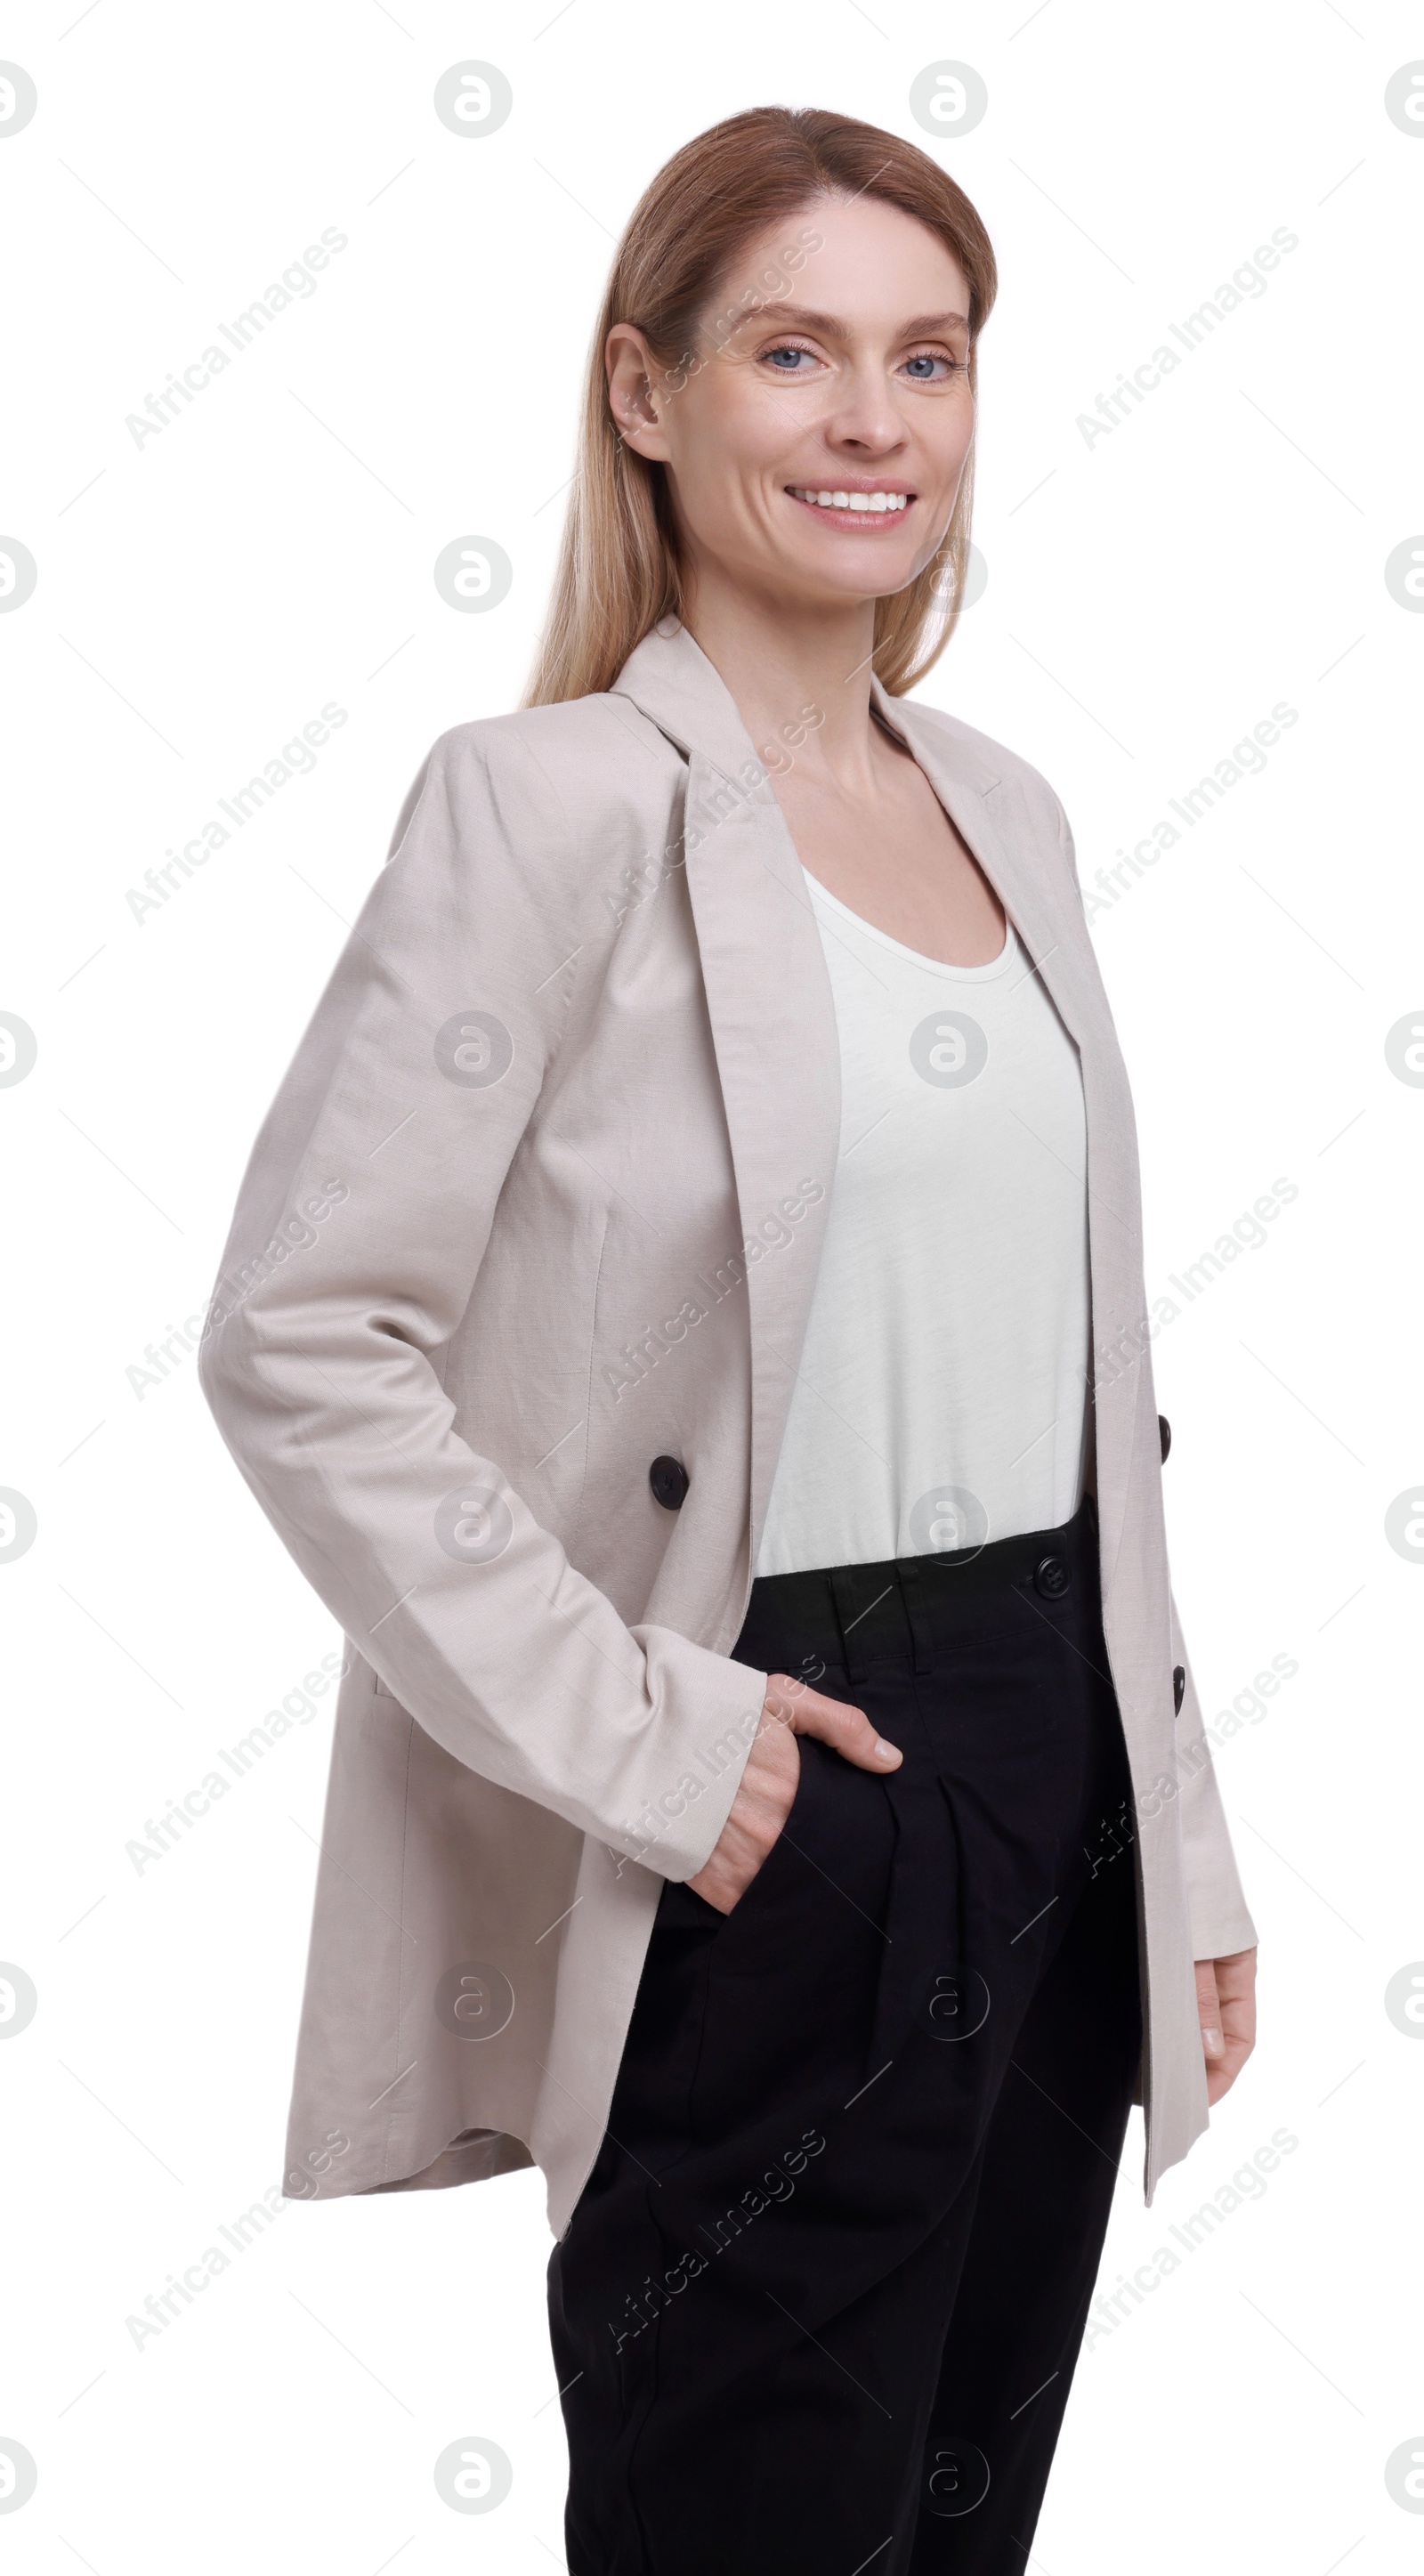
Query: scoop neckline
{"type": "Point", "coordinates": [916, 956]}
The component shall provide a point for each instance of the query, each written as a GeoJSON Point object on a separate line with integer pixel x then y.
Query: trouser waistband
{"type": "Point", "coordinates": [920, 1610]}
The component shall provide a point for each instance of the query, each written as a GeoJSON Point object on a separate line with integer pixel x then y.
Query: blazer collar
{"type": "Point", "coordinates": [669, 676]}
{"type": "Point", "coordinates": [671, 679]}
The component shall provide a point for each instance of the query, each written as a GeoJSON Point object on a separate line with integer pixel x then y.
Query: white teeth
{"type": "Point", "coordinates": [876, 502]}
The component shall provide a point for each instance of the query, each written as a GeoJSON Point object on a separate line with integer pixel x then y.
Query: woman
{"type": "Point", "coordinates": [684, 1314]}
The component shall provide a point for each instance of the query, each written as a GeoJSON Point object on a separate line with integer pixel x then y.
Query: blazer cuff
{"type": "Point", "coordinates": [711, 1707]}
{"type": "Point", "coordinates": [1222, 1937]}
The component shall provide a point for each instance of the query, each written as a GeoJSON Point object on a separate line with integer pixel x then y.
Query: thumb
{"type": "Point", "coordinates": [1209, 2010]}
{"type": "Point", "coordinates": [847, 1730]}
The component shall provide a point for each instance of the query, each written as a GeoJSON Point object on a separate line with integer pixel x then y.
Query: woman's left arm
{"type": "Point", "coordinates": [1223, 1934]}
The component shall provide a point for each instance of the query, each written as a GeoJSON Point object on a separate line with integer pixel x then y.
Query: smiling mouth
{"type": "Point", "coordinates": [845, 509]}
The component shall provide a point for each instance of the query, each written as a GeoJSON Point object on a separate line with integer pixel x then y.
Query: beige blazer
{"type": "Point", "coordinates": [538, 1203]}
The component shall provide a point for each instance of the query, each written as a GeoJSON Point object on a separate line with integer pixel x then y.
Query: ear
{"type": "Point", "coordinates": [632, 373]}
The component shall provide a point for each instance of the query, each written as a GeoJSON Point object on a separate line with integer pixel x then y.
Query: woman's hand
{"type": "Point", "coordinates": [768, 1784]}
{"type": "Point", "coordinates": [1226, 2009]}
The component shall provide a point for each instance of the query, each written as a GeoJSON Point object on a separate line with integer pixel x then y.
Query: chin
{"type": "Point", "coordinates": [856, 582]}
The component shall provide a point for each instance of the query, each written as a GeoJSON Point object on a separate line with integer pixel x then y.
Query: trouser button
{"type": "Point", "coordinates": [1051, 1577]}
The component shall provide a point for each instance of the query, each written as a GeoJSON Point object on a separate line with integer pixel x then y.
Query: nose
{"type": "Point", "coordinates": [865, 420]}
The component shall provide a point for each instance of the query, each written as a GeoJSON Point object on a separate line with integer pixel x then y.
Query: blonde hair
{"type": "Point", "coordinates": [619, 570]}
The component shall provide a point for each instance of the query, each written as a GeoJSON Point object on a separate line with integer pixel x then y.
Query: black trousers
{"type": "Point", "coordinates": [821, 2299]}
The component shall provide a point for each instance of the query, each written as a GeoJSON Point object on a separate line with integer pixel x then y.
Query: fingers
{"type": "Point", "coordinates": [768, 1783]}
{"type": "Point", "coordinates": [1222, 2076]}
{"type": "Point", "coordinates": [848, 1731]}
{"type": "Point", "coordinates": [1226, 2009]}
{"type": "Point", "coordinates": [1209, 2013]}
{"type": "Point", "coordinates": [1236, 1983]}
{"type": "Point", "coordinates": [757, 1815]}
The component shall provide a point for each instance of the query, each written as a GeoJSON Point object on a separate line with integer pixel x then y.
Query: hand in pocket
{"type": "Point", "coordinates": [768, 1784]}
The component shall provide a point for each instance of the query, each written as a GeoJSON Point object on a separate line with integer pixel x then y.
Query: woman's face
{"type": "Point", "coordinates": [815, 443]}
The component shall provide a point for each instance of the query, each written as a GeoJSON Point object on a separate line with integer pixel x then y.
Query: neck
{"type": "Point", "coordinates": [787, 665]}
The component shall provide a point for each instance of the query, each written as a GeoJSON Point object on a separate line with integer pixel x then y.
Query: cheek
{"type": "Point", "coordinates": [727, 453]}
{"type": "Point", "coordinates": [766, 411]}
{"type": "Point", "coordinates": [760, 426]}
{"type": "Point", "coordinates": [950, 436]}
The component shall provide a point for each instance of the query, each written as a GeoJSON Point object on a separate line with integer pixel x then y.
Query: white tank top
{"type": "Point", "coordinates": [941, 1394]}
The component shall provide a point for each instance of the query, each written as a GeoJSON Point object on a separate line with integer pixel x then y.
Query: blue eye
{"type": "Point", "coordinates": [776, 357]}
{"type": "Point", "coordinates": [920, 369]}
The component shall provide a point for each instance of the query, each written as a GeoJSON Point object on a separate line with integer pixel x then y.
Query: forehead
{"type": "Point", "coordinates": [853, 260]}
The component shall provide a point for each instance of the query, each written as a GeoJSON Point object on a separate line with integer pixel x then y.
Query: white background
{"type": "Point", "coordinates": [1150, 597]}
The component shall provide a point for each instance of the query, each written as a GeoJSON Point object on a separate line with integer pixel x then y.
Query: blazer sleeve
{"type": "Point", "coordinates": [1220, 1922]}
{"type": "Point", "coordinates": [358, 1234]}
{"type": "Point", "coordinates": [1219, 1919]}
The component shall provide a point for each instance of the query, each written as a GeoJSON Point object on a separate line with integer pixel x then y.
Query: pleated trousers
{"type": "Point", "coordinates": [819, 2305]}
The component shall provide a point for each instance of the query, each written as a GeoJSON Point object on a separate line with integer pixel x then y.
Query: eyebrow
{"type": "Point", "coordinates": [833, 328]}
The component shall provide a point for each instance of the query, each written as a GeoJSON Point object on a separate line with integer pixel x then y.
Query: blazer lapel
{"type": "Point", "coordinates": [771, 1011]}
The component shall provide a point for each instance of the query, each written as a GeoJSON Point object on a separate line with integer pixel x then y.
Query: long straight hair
{"type": "Point", "coordinates": [620, 570]}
